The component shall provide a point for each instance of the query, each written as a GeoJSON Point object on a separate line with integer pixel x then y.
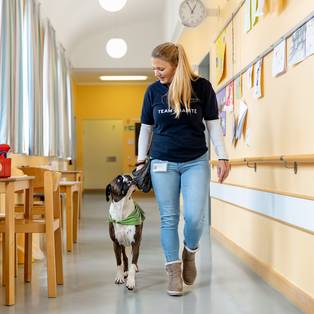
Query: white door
{"type": "Point", "coordinates": [102, 152]}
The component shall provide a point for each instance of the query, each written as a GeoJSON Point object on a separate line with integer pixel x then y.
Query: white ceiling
{"type": "Point", "coordinates": [83, 28]}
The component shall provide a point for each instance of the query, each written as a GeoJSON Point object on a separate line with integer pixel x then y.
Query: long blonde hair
{"type": "Point", "coordinates": [180, 89]}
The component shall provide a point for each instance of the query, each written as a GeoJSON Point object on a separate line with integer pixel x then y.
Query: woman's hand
{"type": "Point", "coordinates": [223, 168]}
{"type": "Point", "coordinates": [139, 167]}
{"type": "Point", "coordinates": [140, 164]}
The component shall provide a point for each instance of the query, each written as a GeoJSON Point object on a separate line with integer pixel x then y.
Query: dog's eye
{"type": "Point", "coordinates": [120, 179]}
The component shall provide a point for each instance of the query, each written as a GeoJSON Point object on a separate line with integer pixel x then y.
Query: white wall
{"type": "Point", "coordinates": [173, 26]}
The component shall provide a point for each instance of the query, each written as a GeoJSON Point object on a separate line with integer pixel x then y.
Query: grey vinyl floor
{"type": "Point", "coordinates": [224, 284]}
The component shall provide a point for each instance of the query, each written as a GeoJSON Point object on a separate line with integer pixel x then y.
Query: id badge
{"type": "Point", "coordinates": [160, 167]}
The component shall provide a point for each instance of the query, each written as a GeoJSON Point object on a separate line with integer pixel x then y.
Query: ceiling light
{"type": "Point", "coordinates": [112, 5]}
{"type": "Point", "coordinates": [116, 48]}
{"type": "Point", "coordinates": [123, 77]}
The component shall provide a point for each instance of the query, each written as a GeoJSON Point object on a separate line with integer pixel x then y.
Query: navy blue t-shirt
{"type": "Point", "coordinates": [179, 139]}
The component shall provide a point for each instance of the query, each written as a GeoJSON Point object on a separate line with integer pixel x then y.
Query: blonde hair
{"type": "Point", "coordinates": [180, 89]}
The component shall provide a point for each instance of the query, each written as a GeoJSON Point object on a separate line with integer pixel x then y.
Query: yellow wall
{"type": "Point", "coordinates": [281, 123]}
{"type": "Point", "coordinates": [112, 102]}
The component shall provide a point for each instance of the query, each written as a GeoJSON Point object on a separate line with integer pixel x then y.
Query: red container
{"type": "Point", "coordinates": [5, 167]}
{"type": "Point", "coordinates": [5, 163]}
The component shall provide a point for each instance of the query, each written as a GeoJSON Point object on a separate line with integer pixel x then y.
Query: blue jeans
{"type": "Point", "coordinates": [192, 179]}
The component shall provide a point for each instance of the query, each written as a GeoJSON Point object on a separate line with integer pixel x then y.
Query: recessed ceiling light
{"type": "Point", "coordinates": [112, 5]}
{"type": "Point", "coordinates": [116, 48]}
{"type": "Point", "coordinates": [123, 77]}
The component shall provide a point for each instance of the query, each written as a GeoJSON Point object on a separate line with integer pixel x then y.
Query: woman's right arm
{"type": "Point", "coordinates": [144, 141]}
{"type": "Point", "coordinates": [146, 131]}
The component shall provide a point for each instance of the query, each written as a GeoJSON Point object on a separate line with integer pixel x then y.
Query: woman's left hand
{"type": "Point", "coordinates": [223, 168]}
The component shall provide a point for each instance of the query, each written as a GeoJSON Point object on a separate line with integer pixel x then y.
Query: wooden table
{"type": "Point", "coordinates": [72, 192]}
{"type": "Point", "coordinates": [9, 186]}
{"type": "Point", "coordinates": [74, 175]}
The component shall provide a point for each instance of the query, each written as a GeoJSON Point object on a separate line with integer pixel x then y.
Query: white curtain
{"type": "Point", "coordinates": [50, 91]}
{"type": "Point", "coordinates": [36, 115]}
{"type": "Point", "coordinates": [70, 144]}
{"type": "Point", "coordinates": [32, 80]}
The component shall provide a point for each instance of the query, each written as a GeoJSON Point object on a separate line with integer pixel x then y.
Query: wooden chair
{"type": "Point", "coordinates": [49, 225]}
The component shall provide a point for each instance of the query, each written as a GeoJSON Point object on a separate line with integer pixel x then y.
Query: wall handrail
{"type": "Point", "coordinates": [288, 161]}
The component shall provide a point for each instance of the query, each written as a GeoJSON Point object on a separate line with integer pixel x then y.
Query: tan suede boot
{"type": "Point", "coordinates": [189, 268]}
{"type": "Point", "coordinates": [175, 285]}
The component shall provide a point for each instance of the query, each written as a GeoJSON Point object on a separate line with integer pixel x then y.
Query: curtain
{"type": "Point", "coordinates": [70, 146]}
{"type": "Point", "coordinates": [11, 94]}
{"type": "Point", "coordinates": [50, 92]}
{"type": "Point", "coordinates": [36, 114]}
{"type": "Point", "coordinates": [32, 80]}
{"type": "Point", "coordinates": [63, 117]}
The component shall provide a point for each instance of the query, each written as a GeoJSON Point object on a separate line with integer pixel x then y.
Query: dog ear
{"type": "Point", "coordinates": [108, 192]}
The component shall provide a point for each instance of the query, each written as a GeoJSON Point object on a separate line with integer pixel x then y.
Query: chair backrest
{"type": "Point", "coordinates": [38, 173]}
{"type": "Point", "coordinates": [52, 194]}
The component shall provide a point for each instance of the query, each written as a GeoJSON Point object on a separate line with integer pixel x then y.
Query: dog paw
{"type": "Point", "coordinates": [119, 280]}
{"type": "Point", "coordinates": [130, 284]}
{"type": "Point", "coordinates": [125, 274]}
{"type": "Point", "coordinates": [119, 275]}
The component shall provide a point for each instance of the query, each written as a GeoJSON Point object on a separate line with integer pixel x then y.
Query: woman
{"type": "Point", "coordinates": [172, 127]}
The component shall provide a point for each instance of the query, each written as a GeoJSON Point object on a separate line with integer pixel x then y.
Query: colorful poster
{"type": "Point", "coordinates": [253, 12]}
{"type": "Point", "coordinates": [310, 37]}
{"type": "Point", "coordinates": [258, 79]}
{"type": "Point", "coordinates": [260, 8]}
{"type": "Point", "coordinates": [247, 15]}
{"type": "Point", "coordinates": [223, 123]}
{"type": "Point", "coordinates": [241, 118]}
{"type": "Point", "coordinates": [238, 87]}
{"type": "Point", "coordinates": [221, 100]}
{"type": "Point", "coordinates": [279, 59]}
{"type": "Point", "coordinates": [249, 77]}
{"type": "Point", "coordinates": [229, 97]}
{"type": "Point", "coordinates": [297, 51]}
{"type": "Point", "coordinates": [220, 56]}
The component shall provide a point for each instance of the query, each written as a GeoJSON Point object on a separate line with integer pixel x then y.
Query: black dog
{"type": "Point", "coordinates": [125, 226]}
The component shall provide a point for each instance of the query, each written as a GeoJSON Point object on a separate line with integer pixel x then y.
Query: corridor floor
{"type": "Point", "coordinates": [224, 284]}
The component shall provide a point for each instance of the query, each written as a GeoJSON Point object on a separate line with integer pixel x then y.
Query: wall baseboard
{"type": "Point", "coordinates": [297, 296]}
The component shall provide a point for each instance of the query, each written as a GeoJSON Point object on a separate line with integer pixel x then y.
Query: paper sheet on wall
{"type": "Point", "coordinates": [238, 87]}
{"type": "Point", "coordinates": [258, 79]}
{"type": "Point", "coordinates": [279, 59]}
{"type": "Point", "coordinates": [241, 118]}
{"type": "Point", "coordinates": [229, 97]}
{"type": "Point", "coordinates": [310, 37]}
{"type": "Point", "coordinates": [297, 51]}
{"type": "Point", "coordinates": [223, 122]}
{"type": "Point", "coordinates": [247, 15]}
{"type": "Point", "coordinates": [221, 99]}
{"type": "Point", "coordinates": [220, 56]}
{"type": "Point", "coordinates": [233, 129]}
{"type": "Point", "coordinates": [253, 12]}
{"type": "Point", "coordinates": [277, 5]}
{"type": "Point", "coordinates": [248, 137]}
{"type": "Point", "coordinates": [249, 77]}
{"type": "Point", "coordinates": [260, 8]}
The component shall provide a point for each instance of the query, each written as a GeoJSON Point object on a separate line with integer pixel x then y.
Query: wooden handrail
{"type": "Point", "coordinates": [288, 161]}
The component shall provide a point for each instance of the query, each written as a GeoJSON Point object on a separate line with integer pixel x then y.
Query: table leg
{"type": "Point", "coordinates": [69, 218]}
{"type": "Point", "coordinates": [9, 245]}
{"type": "Point", "coordinates": [76, 204]}
{"type": "Point", "coordinates": [28, 237]}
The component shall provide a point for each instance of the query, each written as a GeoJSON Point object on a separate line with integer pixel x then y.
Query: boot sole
{"type": "Point", "coordinates": [175, 293]}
